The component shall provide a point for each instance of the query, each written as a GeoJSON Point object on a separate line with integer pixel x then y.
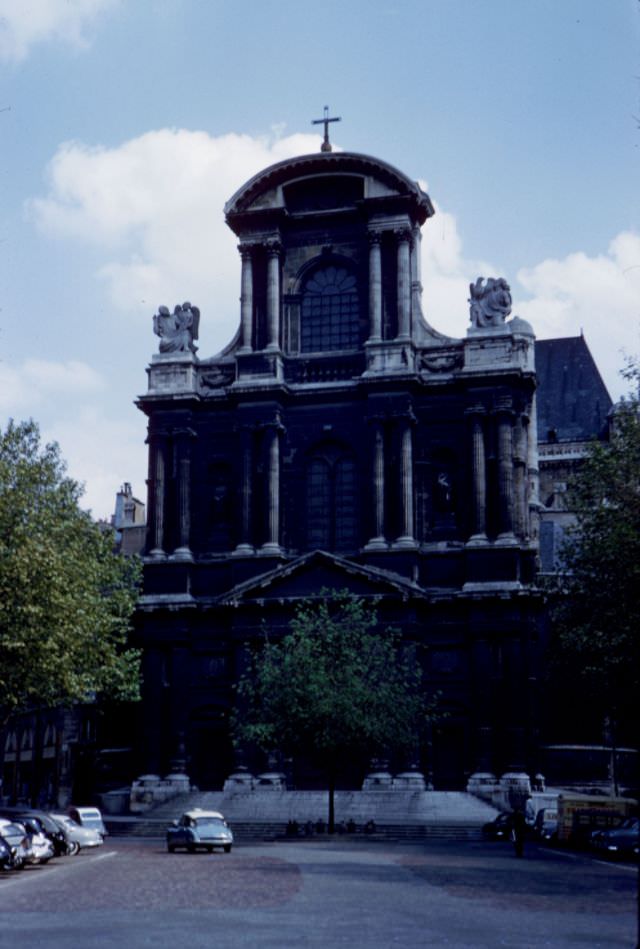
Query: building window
{"type": "Point", "coordinates": [330, 311]}
{"type": "Point", "coordinates": [331, 502]}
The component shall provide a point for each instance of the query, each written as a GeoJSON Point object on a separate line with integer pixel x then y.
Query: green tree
{"type": "Point", "coordinates": [595, 595]}
{"type": "Point", "coordinates": [66, 598]}
{"type": "Point", "coordinates": [332, 684]}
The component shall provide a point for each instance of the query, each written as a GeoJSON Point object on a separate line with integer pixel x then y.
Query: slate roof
{"type": "Point", "coordinates": [573, 401]}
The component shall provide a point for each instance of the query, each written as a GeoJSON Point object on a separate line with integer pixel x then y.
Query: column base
{"type": "Point", "coordinates": [477, 540]}
{"type": "Point", "coordinates": [404, 543]}
{"type": "Point", "coordinates": [182, 553]}
{"type": "Point", "coordinates": [507, 539]}
{"type": "Point", "coordinates": [377, 543]}
{"type": "Point", "coordinates": [270, 550]}
{"type": "Point", "coordinates": [243, 550]}
{"type": "Point", "coordinates": [157, 554]}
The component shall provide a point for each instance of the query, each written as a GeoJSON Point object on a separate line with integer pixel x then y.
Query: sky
{"type": "Point", "coordinates": [125, 126]}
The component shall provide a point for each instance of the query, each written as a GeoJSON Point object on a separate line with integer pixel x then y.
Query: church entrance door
{"type": "Point", "coordinates": [209, 749]}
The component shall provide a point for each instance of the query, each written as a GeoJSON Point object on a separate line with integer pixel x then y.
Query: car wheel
{"type": "Point", "coordinates": [209, 849]}
{"type": "Point", "coordinates": [170, 849]}
{"type": "Point", "coordinates": [191, 848]}
{"type": "Point", "coordinates": [227, 848]}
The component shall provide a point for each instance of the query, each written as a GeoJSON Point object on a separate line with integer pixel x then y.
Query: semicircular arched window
{"type": "Point", "coordinates": [330, 311]}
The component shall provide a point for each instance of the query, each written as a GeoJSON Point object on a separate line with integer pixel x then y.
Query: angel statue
{"type": "Point", "coordinates": [490, 302]}
{"type": "Point", "coordinates": [177, 330]}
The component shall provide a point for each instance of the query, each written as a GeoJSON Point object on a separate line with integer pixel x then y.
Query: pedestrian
{"type": "Point", "coordinates": [518, 829]}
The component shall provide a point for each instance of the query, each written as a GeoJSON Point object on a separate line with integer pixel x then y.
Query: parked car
{"type": "Point", "coordinates": [18, 839]}
{"type": "Point", "coordinates": [6, 855]}
{"type": "Point", "coordinates": [499, 828]}
{"type": "Point", "coordinates": [80, 837]}
{"type": "Point", "coordinates": [41, 847]}
{"type": "Point", "coordinates": [546, 824]}
{"type": "Point", "coordinates": [200, 829]}
{"type": "Point", "coordinates": [88, 817]}
{"type": "Point", "coordinates": [623, 840]}
{"type": "Point", "coordinates": [45, 824]}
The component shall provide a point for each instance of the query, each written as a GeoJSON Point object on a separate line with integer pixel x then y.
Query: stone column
{"type": "Point", "coordinates": [246, 298]}
{"type": "Point", "coordinates": [183, 550]}
{"type": "Point", "coordinates": [378, 541]}
{"type": "Point", "coordinates": [406, 539]}
{"type": "Point", "coordinates": [272, 545]}
{"type": "Point", "coordinates": [416, 276]}
{"type": "Point", "coordinates": [375, 288]}
{"type": "Point", "coordinates": [533, 473]}
{"type": "Point", "coordinates": [505, 475]}
{"type": "Point", "coordinates": [273, 294]}
{"type": "Point", "coordinates": [246, 441]}
{"type": "Point", "coordinates": [157, 449]}
{"type": "Point", "coordinates": [478, 467]}
{"type": "Point", "coordinates": [404, 282]}
{"type": "Point", "coordinates": [520, 511]}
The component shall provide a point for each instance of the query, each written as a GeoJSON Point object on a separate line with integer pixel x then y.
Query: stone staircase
{"type": "Point", "coordinates": [263, 815]}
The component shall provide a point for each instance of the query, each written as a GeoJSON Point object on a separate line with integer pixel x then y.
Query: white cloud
{"type": "Point", "coordinates": [68, 401]}
{"type": "Point", "coordinates": [24, 388]}
{"type": "Point", "coordinates": [154, 208]}
{"type": "Point", "coordinates": [155, 204]}
{"type": "Point", "coordinates": [26, 22]}
{"type": "Point", "coordinates": [101, 453]}
{"type": "Point", "coordinates": [597, 295]}
{"type": "Point", "coordinates": [446, 275]}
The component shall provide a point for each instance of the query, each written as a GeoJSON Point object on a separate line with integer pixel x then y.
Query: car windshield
{"type": "Point", "coordinates": [210, 824]}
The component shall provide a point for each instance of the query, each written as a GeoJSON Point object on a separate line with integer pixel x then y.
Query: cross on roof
{"type": "Point", "coordinates": [326, 145]}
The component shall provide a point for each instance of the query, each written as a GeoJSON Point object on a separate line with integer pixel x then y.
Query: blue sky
{"type": "Point", "coordinates": [127, 124]}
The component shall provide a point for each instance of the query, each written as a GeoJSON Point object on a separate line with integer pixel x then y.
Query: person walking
{"type": "Point", "coordinates": [518, 830]}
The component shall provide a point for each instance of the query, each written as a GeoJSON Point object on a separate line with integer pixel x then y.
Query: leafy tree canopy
{"type": "Point", "coordinates": [332, 684]}
{"type": "Point", "coordinates": [596, 607]}
{"type": "Point", "coordinates": [65, 597]}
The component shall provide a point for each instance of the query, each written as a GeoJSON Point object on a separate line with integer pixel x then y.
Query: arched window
{"type": "Point", "coordinates": [331, 501]}
{"type": "Point", "coordinates": [330, 311]}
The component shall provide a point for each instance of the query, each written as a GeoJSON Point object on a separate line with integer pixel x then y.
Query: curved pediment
{"type": "Point", "coordinates": [322, 178]}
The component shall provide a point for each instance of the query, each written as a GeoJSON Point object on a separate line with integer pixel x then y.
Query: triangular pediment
{"type": "Point", "coordinates": [307, 575]}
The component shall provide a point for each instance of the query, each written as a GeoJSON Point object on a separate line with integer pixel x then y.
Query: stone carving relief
{"type": "Point", "coordinates": [441, 362]}
{"type": "Point", "coordinates": [217, 378]}
{"type": "Point", "coordinates": [490, 302]}
{"type": "Point", "coordinates": [177, 330]}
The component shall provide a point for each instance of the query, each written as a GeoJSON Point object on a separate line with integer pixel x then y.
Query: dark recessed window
{"type": "Point", "coordinates": [330, 311]}
{"type": "Point", "coordinates": [331, 503]}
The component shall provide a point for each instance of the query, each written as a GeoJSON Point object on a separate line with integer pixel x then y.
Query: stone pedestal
{"type": "Point", "coordinates": [482, 784]}
{"type": "Point", "coordinates": [271, 781]}
{"type": "Point", "coordinates": [240, 780]}
{"type": "Point", "coordinates": [412, 780]}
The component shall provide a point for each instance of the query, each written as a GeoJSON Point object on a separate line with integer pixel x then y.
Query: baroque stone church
{"type": "Point", "coordinates": [341, 442]}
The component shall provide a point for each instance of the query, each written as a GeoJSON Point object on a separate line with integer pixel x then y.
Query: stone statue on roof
{"type": "Point", "coordinates": [177, 330]}
{"type": "Point", "coordinates": [490, 302]}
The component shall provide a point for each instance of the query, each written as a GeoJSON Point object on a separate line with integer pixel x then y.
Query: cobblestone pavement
{"type": "Point", "coordinates": [133, 894]}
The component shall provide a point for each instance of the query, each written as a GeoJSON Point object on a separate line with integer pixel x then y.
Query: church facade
{"type": "Point", "coordinates": [341, 442]}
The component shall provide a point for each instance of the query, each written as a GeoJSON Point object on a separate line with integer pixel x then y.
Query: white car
{"type": "Point", "coordinates": [199, 829]}
{"type": "Point", "coordinates": [84, 837]}
{"type": "Point", "coordinates": [88, 817]}
{"type": "Point", "coordinates": [41, 847]}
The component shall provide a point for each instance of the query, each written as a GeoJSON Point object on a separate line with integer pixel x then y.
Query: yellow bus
{"type": "Point", "coordinates": [580, 814]}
